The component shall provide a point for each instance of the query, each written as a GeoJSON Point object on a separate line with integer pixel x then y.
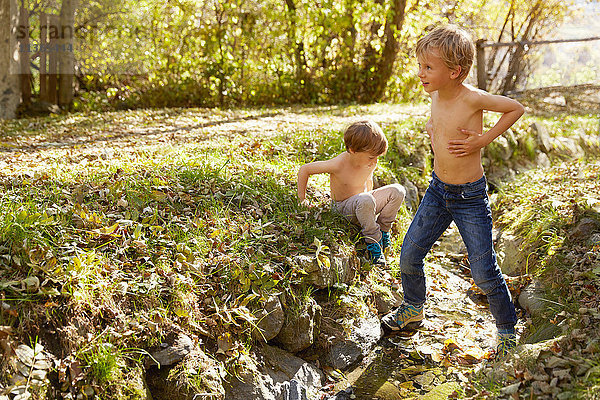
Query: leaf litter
{"type": "Point", "coordinates": [104, 218]}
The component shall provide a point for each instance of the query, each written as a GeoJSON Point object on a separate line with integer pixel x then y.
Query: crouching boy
{"type": "Point", "coordinates": [351, 185]}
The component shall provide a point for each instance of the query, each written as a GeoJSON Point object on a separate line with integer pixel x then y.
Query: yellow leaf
{"type": "Point", "coordinates": [414, 369]}
{"type": "Point", "coordinates": [323, 260]}
{"type": "Point", "coordinates": [436, 356]}
{"type": "Point", "coordinates": [450, 344]}
{"type": "Point", "coordinates": [110, 229]}
{"type": "Point", "coordinates": [224, 343]}
{"type": "Point", "coordinates": [476, 353]}
{"type": "Point", "coordinates": [180, 312]}
{"type": "Point", "coordinates": [159, 196]}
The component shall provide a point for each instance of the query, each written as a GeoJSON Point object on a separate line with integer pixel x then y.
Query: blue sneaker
{"type": "Point", "coordinates": [385, 240]}
{"type": "Point", "coordinates": [403, 316]}
{"type": "Point", "coordinates": [506, 342]}
{"type": "Point", "coordinates": [375, 253]}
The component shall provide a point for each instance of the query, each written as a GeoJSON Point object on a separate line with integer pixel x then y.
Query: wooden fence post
{"type": "Point", "coordinates": [481, 68]}
{"type": "Point", "coordinates": [66, 64]}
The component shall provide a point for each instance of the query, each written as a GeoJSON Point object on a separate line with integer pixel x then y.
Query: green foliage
{"type": "Point", "coordinates": [542, 211]}
{"type": "Point", "coordinates": [230, 53]}
{"type": "Point", "coordinates": [190, 220]}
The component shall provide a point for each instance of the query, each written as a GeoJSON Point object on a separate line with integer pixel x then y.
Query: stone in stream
{"type": "Point", "coordinates": [441, 392]}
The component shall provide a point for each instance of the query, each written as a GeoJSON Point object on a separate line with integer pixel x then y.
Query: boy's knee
{"type": "Point", "coordinates": [365, 200]}
{"type": "Point", "coordinates": [487, 275]}
{"type": "Point", "coordinates": [398, 191]}
{"type": "Point", "coordinates": [491, 284]}
{"type": "Point", "coordinates": [411, 258]}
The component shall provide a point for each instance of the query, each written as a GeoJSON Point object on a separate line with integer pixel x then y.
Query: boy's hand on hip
{"type": "Point", "coordinates": [463, 147]}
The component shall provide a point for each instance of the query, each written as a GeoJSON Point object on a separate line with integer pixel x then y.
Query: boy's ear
{"type": "Point", "coordinates": [455, 73]}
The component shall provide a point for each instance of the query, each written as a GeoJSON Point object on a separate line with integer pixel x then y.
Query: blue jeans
{"type": "Point", "coordinates": [469, 207]}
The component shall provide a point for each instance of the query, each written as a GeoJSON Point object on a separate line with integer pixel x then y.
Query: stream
{"type": "Point", "coordinates": [431, 362]}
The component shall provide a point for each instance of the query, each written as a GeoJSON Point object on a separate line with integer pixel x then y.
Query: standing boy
{"type": "Point", "coordinates": [351, 185]}
{"type": "Point", "coordinates": [458, 188]}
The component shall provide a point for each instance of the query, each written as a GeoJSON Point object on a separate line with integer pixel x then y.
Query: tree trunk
{"type": "Point", "coordinates": [385, 65]}
{"type": "Point", "coordinates": [9, 62]}
{"type": "Point", "coordinates": [25, 72]}
{"type": "Point", "coordinates": [44, 22]}
{"type": "Point", "coordinates": [299, 56]}
{"type": "Point", "coordinates": [66, 61]}
{"type": "Point", "coordinates": [53, 59]}
{"type": "Point", "coordinates": [514, 64]}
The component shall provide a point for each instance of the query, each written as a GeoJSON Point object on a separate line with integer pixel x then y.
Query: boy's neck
{"type": "Point", "coordinates": [450, 92]}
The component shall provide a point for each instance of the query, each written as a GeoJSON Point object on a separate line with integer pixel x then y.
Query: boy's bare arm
{"type": "Point", "coordinates": [511, 111]}
{"type": "Point", "coordinates": [429, 130]}
{"type": "Point", "coordinates": [317, 167]}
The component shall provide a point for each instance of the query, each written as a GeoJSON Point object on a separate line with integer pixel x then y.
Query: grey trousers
{"type": "Point", "coordinates": [363, 209]}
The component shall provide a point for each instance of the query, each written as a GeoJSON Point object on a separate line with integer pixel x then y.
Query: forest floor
{"type": "Point", "coordinates": [67, 179]}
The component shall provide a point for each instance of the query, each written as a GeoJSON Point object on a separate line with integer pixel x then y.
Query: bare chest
{"type": "Point", "coordinates": [447, 119]}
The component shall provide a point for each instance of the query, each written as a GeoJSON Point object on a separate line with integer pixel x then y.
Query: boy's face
{"type": "Point", "coordinates": [434, 73]}
{"type": "Point", "coordinates": [364, 158]}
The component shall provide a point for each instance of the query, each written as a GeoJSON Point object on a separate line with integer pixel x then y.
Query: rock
{"type": "Point", "coordinates": [442, 392]}
{"type": "Point", "coordinates": [249, 382]}
{"type": "Point", "coordinates": [37, 108]}
{"type": "Point", "coordinates": [510, 258]}
{"type": "Point", "coordinates": [197, 375]}
{"type": "Point", "coordinates": [451, 242]}
{"type": "Point", "coordinates": [412, 195]}
{"type": "Point", "coordinates": [542, 136]}
{"type": "Point", "coordinates": [485, 162]}
{"type": "Point", "coordinates": [346, 394]}
{"type": "Point", "coordinates": [297, 377]}
{"type": "Point", "coordinates": [137, 386]}
{"type": "Point", "coordinates": [555, 99]}
{"type": "Point", "coordinates": [269, 319]}
{"type": "Point", "coordinates": [301, 327]}
{"type": "Point", "coordinates": [294, 391]}
{"type": "Point", "coordinates": [567, 147]}
{"type": "Point", "coordinates": [532, 299]}
{"type": "Point", "coordinates": [362, 337]}
{"type": "Point", "coordinates": [594, 240]}
{"type": "Point", "coordinates": [342, 268]}
{"type": "Point", "coordinates": [172, 353]}
{"type": "Point", "coordinates": [542, 160]}
{"type": "Point", "coordinates": [497, 175]}
{"type": "Point", "coordinates": [419, 158]}
{"type": "Point", "coordinates": [590, 143]}
{"type": "Point", "coordinates": [584, 229]}
{"type": "Point", "coordinates": [499, 149]}
{"type": "Point", "coordinates": [386, 300]}
{"type": "Point", "coordinates": [277, 375]}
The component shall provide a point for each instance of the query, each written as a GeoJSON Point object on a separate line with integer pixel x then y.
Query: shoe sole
{"type": "Point", "coordinates": [412, 324]}
{"type": "Point", "coordinates": [408, 330]}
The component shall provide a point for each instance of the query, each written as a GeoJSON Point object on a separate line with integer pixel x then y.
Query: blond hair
{"type": "Point", "coordinates": [455, 47]}
{"type": "Point", "coordinates": [365, 136]}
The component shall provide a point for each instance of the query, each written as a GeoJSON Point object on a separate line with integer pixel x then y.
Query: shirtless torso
{"type": "Point", "coordinates": [447, 118]}
{"type": "Point", "coordinates": [352, 176]}
{"type": "Point", "coordinates": [350, 173]}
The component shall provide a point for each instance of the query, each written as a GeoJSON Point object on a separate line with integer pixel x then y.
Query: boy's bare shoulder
{"type": "Point", "coordinates": [331, 166]}
{"type": "Point", "coordinates": [339, 161]}
{"type": "Point", "coordinates": [472, 93]}
{"type": "Point", "coordinates": [475, 97]}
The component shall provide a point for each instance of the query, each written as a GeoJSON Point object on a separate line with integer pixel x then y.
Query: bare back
{"type": "Point", "coordinates": [447, 117]}
{"type": "Point", "coordinates": [349, 179]}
